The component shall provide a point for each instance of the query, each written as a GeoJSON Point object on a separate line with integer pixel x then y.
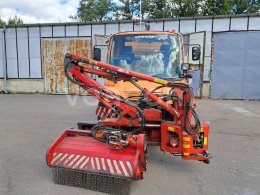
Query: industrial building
{"type": "Point", "coordinates": [31, 55]}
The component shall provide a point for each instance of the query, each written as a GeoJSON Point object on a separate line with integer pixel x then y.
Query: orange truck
{"type": "Point", "coordinates": [155, 53]}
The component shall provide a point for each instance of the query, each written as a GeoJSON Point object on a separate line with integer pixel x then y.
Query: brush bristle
{"type": "Point", "coordinates": [91, 181]}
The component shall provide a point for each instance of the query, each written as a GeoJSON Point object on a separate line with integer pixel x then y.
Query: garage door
{"type": "Point", "coordinates": [236, 66]}
{"type": "Point", "coordinates": [52, 52]}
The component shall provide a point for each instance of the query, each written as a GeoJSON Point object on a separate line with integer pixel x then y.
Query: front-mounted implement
{"type": "Point", "coordinates": [106, 155]}
{"type": "Point", "coordinates": [79, 160]}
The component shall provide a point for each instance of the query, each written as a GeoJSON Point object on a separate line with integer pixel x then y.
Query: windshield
{"type": "Point", "coordinates": [152, 54]}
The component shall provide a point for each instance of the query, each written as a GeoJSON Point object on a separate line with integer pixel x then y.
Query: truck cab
{"type": "Point", "coordinates": [155, 53]}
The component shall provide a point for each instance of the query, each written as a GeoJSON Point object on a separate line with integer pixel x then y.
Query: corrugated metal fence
{"type": "Point", "coordinates": [21, 45]}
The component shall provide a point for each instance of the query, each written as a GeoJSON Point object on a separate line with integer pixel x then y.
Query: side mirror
{"type": "Point", "coordinates": [97, 54]}
{"type": "Point", "coordinates": [196, 53]}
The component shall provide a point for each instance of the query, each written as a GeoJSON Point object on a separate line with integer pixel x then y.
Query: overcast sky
{"type": "Point", "coordinates": [38, 11]}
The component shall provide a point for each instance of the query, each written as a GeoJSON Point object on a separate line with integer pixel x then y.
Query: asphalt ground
{"type": "Point", "coordinates": [30, 123]}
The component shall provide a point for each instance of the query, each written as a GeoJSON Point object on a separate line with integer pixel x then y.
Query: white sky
{"type": "Point", "coordinates": [39, 11]}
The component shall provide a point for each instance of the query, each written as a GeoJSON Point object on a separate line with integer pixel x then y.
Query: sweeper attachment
{"type": "Point", "coordinates": [107, 155]}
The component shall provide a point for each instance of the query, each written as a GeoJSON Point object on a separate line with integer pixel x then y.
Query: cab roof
{"type": "Point", "coordinates": [145, 32]}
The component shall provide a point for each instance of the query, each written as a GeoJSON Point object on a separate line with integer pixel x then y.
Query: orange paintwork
{"type": "Point", "coordinates": [127, 89]}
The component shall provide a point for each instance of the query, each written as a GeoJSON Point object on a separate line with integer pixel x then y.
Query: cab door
{"type": "Point", "coordinates": [190, 40]}
{"type": "Point", "coordinates": [100, 41]}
